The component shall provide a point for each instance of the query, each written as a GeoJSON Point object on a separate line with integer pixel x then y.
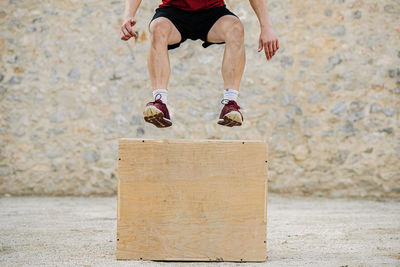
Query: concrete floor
{"type": "Point", "coordinates": [301, 231]}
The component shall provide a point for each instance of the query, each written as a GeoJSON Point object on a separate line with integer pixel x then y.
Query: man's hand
{"type": "Point", "coordinates": [127, 31]}
{"type": "Point", "coordinates": [269, 42]}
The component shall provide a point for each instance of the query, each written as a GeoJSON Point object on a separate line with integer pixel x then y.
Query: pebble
{"type": "Point", "coordinates": [348, 128]}
{"type": "Point", "coordinates": [332, 62]}
{"type": "Point", "coordinates": [316, 97]}
{"type": "Point", "coordinates": [91, 156]}
{"type": "Point", "coordinates": [339, 109]}
{"type": "Point", "coordinates": [287, 99]}
{"type": "Point", "coordinates": [4, 170]}
{"type": "Point", "coordinates": [388, 8]}
{"type": "Point", "coordinates": [328, 12]}
{"type": "Point", "coordinates": [15, 80]}
{"type": "Point", "coordinates": [286, 61]}
{"type": "Point", "coordinates": [328, 133]}
{"type": "Point", "coordinates": [388, 130]}
{"type": "Point", "coordinates": [300, 152]}
{"type": "Point", "coordinates": [56, 131]}
{"type": "Point", "coordinates": [375, 108]}
{"type": "Point", "coordinates": [53, 79]}
{"type": "Point", "coordinates": [393, 73]}
{"type": "Point", "coordinates": [355, 116]}
{"type": "Point", "coordinates": [305, 63]}
{"type": "Point", "coordinates": [339, 30]}
{"type": "Point", "coordinates": [74, 75]}
{"type": "Point", "coordinates": [54, 154]}
{"type": "Point", "coordinates": [389, 111]}
{"type": "Point", "coordinates": [340, 157]}
{"type": "Point", "coordinates": [136, 120]}
{"type": "Point", "coordinates": [140, 132]}
{"type": "Point", "coordinates": [357, 14]}
{"type": "Point", "coordinates": [334, 87]}
{"type": "Point", "coordinates": [56, 117]}
{"type": "Point", "coordinates": [19, 132]}
{"type": "Point", "coordinates": [126, 108]}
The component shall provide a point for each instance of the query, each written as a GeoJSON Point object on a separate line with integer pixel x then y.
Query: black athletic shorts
{"type": "Point", "coordinates": [192, 24]}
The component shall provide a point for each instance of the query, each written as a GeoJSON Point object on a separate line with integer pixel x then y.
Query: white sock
{"type": "Point", "coordinates": [163, 93]}
{"type": "Point", "coordinates": [231, 94]}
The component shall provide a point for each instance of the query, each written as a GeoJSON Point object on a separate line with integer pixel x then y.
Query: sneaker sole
{"type": "Point", "coordinates": [155, 116]}
{"type": "Point", "coordinates": [231, 119]}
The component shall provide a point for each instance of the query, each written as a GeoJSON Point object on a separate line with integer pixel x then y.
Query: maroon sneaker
{"type": "Point", "coordinates": [157, 113]}
{"type": "Point", "coordinates": [230, 115]}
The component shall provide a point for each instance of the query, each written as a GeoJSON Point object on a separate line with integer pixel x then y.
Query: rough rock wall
{"type": "Point", "coordinates": [328, 103]}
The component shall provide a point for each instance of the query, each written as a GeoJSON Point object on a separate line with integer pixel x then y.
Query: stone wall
{"type": "Point", "coordinates": [328, 103]}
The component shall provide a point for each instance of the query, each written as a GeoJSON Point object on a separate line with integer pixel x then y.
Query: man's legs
{"type": "Point", "coordinates": [229, 29]}
{"type": "Point", "coordinates": [162, 33]}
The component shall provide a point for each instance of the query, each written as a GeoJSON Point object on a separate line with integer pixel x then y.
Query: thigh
{"type": "Point", "coordinates": [221, 27]}
{"type": "Point", "coordinates": [165, 25]}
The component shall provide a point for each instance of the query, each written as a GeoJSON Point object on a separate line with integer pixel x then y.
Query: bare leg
{"type": "Point", "coordinates": [162, 33]}
{"type": "Point", "coordinates": [229, 29]}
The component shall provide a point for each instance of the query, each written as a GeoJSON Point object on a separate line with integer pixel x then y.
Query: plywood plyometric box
{"type": "Point", "coordinates": [185, 200]}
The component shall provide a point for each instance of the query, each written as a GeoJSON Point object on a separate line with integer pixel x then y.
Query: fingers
{"type": "Point", "coordinates": [127, 31]}
{"type": "Point", "coordinates": [122, 35]}
{"type": "Point", "coordinates": [129, 25]}
{"type": "Point", "coordinates": [271, 50]}
{"type": "Point", "coordinates": [133, 22]}
{"type": "Point", "coordinates": [266, 50]}
{"type": "Point", "coordinates": [276, 46]}
{"type": "Point", "coordinates": [260, 45]}
{"type": "Point", "coordinates": [126, 34]}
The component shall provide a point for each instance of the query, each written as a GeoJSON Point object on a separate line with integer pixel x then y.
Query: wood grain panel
{"type": "Point", "coordinates": [199, 200]}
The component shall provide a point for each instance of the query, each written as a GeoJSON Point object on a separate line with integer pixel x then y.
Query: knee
{"type": "Point", "coordinates": [159, 31]}
{"type": "Point", "coordinates": [235, 34]}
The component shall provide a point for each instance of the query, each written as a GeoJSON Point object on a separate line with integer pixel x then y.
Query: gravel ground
{"type": "Point", "coordinates": [68, 231]}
